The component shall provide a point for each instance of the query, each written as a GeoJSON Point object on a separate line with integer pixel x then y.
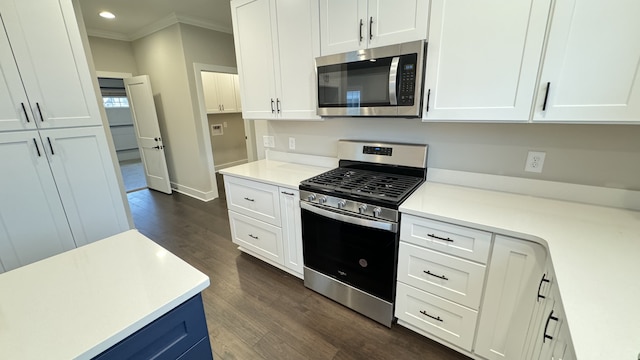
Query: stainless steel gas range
{"type": "Point", "coordinates": [350, 224]}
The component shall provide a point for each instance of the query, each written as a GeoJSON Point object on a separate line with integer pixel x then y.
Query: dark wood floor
{"type": "Point", "coordinates": [255, 311]}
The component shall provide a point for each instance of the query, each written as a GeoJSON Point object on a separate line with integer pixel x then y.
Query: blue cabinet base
{"type": "Point", "coordinates": [179, 334]}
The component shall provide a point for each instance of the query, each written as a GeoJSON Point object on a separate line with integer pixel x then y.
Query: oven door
{"type": "Point", "coordinates": [357, 251]}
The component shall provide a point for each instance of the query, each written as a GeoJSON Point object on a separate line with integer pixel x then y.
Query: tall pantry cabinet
{"type": "Point", "coordinates": [59, 188]}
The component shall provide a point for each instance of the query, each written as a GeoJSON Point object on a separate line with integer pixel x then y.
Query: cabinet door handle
{"type": "Point", "coordinates": [371, 28]}
{"type": "Point", "coordinates": [434, 275]}
{"type": "Point", "coordinates": [222, 106]}
{"type": "Point", "coordinates": [546, 97]}
{"type": "Point", "coordinates": [252, 200]}
{"type": "Point", "coordinates": [24, 109]}
{"type": "Point", "coordinates": [439, 238]}
{"type": "Point", "coordinates": [287, 193]}
{"type": "Point", "coordinates": [273, 110]}
{"type": "Point", "coordinates": [360, 33]}
{"type": "Point", "coordinates": [551, 317]}
{"type": "Point", "coordinates": [428, 97]}
{"type": "Point", "coordinates": [278, 105]}
{"type": "Point", "coordinates": [37, 148]}
{"type": "Point", "coordinates": [543, 280]}
{"type": "Point", "coordinates": [431, 316]}
{"type": "Point", "coordinates": [40, 112]}
{"type": "Point", "coordinates": [253, 237]}
{"type": "Point", "coordinates": [50, 146]}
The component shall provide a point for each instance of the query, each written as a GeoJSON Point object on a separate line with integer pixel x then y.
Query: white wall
{"type": "Point", "coordinates": [600, 155]}
{"type": "Point", "coordinates": [230, 147]}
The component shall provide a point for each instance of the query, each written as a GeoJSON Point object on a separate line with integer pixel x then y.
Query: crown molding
{"type": "Point", "coordinates": [107, 34]}
{"type": "Point", "coordinates": [160, 24]}
{"type": "Point", "coordinates": [203, 23]}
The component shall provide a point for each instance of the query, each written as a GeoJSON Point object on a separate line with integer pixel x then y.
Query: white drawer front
{"type": "Point", "coordinates": [261, 238]}
{"type": "Point", "coordinates": [452, 239]}
{"type": "Point", "coordinates": [442, 318]}
{"type": "Point", "coordinates": [255, 199]}
{"type": "Point", "coordinates": [452, 278]}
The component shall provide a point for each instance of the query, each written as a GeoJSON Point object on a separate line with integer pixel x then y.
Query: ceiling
{"type": "Point", "coordinates": [139, 18]}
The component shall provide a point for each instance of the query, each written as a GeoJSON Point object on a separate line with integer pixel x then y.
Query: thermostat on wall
{"type": "Point", "coordinates": [216, 129]}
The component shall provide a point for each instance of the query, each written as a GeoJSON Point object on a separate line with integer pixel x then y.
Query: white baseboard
{"type": "Point", "coordinates": [194, 193]}
{"type": "Point", "coordinates": [595, 195]}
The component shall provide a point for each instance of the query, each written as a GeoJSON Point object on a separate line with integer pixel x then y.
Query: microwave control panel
{"type": "Point", "coordinates": [407, 80]}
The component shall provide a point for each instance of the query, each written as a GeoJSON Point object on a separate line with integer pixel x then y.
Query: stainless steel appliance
{"type": "Point", "coordinates": [350, 224]}
{"type": "Point", "coordinates": [385, 81]}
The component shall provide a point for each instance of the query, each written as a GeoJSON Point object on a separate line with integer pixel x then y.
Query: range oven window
{"type": "Point", "coordinates": [362, 257]}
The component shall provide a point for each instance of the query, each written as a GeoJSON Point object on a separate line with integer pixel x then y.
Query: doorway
{"type": "Point", "coordinates": [229, 139]}
{"type": "Point", "coordinates": [120, 120]}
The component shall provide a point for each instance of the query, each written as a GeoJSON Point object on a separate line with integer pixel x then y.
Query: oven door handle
{"type": "Point", "coordinates": [382, 225]}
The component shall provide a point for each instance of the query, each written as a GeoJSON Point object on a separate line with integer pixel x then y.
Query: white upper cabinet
{"type": "Point", "coordinates": [483, 59]}
{"type": "Point", "coordinates": [47, 48]}
{"type": "Point", "coordinates": [14, 105]}
{"type": "Point", "coordinates": [275, 57]}
{"type": "Point", "coordinates": [591, 67]}
{"type": "Point", "coordinates": [220, 92]}
{"type": "Point", "coordinates": [353, 25]}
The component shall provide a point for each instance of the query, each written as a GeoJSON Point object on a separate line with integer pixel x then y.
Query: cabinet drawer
{"type": "Point", "coordinates": [435, 315]}
{"type": "Point", "coordinates": [254, 235]}
{"type": "Point", "coordinates": [452, 239]}
{"type": "Point", "coordinates": [452, 278]}
{"type": "Point", "coordinates": [255, 199]}
{"type": "Point", "coordinates": [170, 337]}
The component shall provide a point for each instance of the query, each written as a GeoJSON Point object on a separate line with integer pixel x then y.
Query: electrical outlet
{"type": "Point", "coordinates": [224, 124]}
{"type": "Point", "coordinates": [268, 141]}
{"type": "Point", "coordinates": [292, 143]}
{"type": "Point", "coordinates": [535, 161]}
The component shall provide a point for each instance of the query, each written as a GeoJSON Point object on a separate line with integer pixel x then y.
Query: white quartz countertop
{"type": "Point", "coordinates": [595, 252]}
{"type": "Point", "coordinates": [274, 172]}
{"type": "Point", "coordinates": [79, 303]}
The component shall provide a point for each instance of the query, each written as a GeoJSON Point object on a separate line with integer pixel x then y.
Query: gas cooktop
{"type": "Point", "coordinates": [391, 188]}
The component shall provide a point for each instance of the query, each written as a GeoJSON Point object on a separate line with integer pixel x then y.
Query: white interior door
{"type": "Point", "coordinates": [145, 120]}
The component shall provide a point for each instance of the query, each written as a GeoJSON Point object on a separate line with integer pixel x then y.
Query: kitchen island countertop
{"type": "Point", "coordinates": [79, 303]}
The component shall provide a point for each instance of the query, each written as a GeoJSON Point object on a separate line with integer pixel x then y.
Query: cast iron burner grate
{"type": "Point", "coordinates": [364, 183]}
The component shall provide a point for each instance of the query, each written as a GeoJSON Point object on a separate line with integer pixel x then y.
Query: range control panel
{"type": "Point", "coordinates": [377, 150]}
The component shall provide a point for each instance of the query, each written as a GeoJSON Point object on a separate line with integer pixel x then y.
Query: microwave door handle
{"type": "Point", "coordinates": [393, 79]}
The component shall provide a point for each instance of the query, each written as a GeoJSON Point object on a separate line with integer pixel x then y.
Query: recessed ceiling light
{"type": "Point", "coordinates": [107, 15]}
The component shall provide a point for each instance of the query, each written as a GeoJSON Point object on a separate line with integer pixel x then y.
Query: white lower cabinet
{"type": "Point", "coordinates": [441, 271]}
{"type": "Point", "coordinates": [548, 335]}
{"type": "Point", "coordinates": [486, 295]}
{"type": "Point", "coordinates": [265, 222]}
{"type": "Point", "coordinates": [515, 269]}
{"type": "Point", "coordinates": [258, 237]}
{"type": "Point", "coordinates": [435, 315]}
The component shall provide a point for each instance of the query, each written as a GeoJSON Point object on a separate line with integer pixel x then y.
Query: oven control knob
{"type": "Point", "coordinates": [362, 208]}
{"type": "Point", "coordinates": [376, 212]}
{"type": "Point", "coordinates": [342, 204]}
{"type": "Point", "coordinates": [311, 197]}
{"type": "Point", "coordinates": [322, 200]}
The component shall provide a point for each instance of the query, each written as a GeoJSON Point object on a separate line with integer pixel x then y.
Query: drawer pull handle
{"type": "Point", "coordinates": [252, 200]}
{"type": "Point", "coordinates": [253, 237]}
{"type": "Point", "coordinates": [434, 275]}
{"type": "Point", "coordinates": [431, 316]}
{"type": "Point", "coordinates": [287, 193]}
{"type": "Point", "coordinates": [439, 238]}
{"type": "Point", "coordinates": [551, 317]}
{"type": "Point", "coordinates": [543, 280]}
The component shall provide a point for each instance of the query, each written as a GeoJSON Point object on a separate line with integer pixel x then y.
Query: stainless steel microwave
{"type": "Point", "coordinates": [385, 81]}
